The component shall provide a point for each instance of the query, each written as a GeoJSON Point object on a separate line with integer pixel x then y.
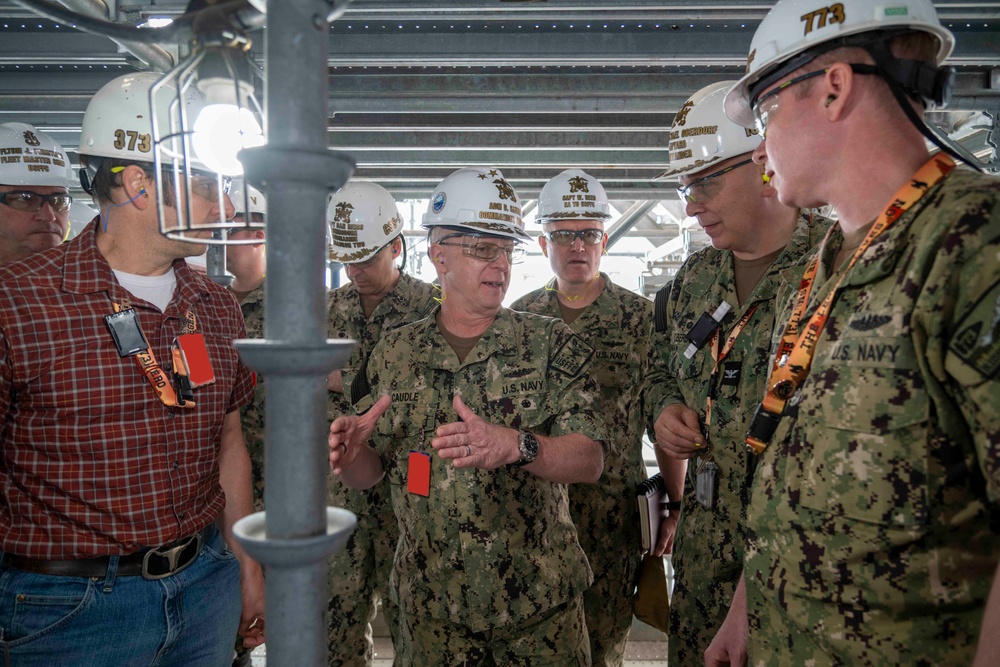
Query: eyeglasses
{"type": "Point", "coordinates": [487, 252]}
{"type": "Point", "coordinates": [705, 188]}
{"type": "Point", "coordinates": [569, 236]}
{"type": "Point", "coordinates": [207, 187]}
{"type": "Point", "coordinates": [765, 105]}
{"type": "Point", "coordinates": [31, 202]}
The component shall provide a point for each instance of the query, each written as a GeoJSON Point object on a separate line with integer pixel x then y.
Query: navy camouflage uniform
{"type": "Point", "coordinates": [708, 543]}
{"type": "Point", "coordinates": [488, 569]}
{"type": "Point", "coordinates": [359, 575]}
{"type": "Point", "coordinates": [618, 325]}
{"type": "Point", "coordinates": [874, 526]}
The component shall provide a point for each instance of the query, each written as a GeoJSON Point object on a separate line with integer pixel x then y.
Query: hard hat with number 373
{"type": "Point", "coordinates": [118, 122]}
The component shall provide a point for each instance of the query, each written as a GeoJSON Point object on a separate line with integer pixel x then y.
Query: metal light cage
{"type": "Point", "coordinates": [173, 153]}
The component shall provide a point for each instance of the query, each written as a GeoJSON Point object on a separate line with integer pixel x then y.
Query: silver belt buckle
{"type": "Point", "coordinates": [173, 556]}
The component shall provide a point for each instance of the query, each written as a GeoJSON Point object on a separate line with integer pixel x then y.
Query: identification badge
{"type": "Point", "coordinates": [199, 366]}
{"type": "Point", "coordinates": [125, 331]}
{"type": "Point", "coordinates": [704, 484]}
{"type": "Point", "coordinates": [418, 474]}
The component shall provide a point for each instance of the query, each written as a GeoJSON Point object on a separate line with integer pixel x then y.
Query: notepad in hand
{"type": "Point", "coordinates": [651, 496]}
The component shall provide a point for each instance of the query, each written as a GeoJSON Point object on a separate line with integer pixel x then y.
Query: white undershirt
{"type": "Point", "coordinates": [158, 290]}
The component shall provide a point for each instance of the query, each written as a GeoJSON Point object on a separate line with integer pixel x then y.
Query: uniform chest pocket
{"type": "Point", "coordinates": [872, 465]}
{"type": "Point", "coordinates": [688, 369]}
{"type": "Point", "coordinates": [616, 363]}
{"type": "Point", "coordinates": [518, 404]}
{"type": "Point", "coordinates": [408, 424]}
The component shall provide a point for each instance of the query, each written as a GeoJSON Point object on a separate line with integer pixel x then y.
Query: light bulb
{"type": "Point", "coordinates": [220, 132]}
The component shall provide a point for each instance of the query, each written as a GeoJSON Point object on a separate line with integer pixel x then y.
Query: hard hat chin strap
{"type": "Point", "coordinates": [911, 80]}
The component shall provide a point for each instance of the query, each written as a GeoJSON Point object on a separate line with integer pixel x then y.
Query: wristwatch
{"type": "Point", "coordinates": [527, 444]}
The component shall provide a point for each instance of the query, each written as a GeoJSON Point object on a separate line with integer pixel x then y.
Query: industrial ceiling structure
{"type": "Point", "coordinates": [419, 88]}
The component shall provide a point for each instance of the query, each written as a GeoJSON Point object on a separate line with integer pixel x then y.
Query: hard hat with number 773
{"type": "Point", "coordinates": [795, 31]}
{"type": "Point", "coordinates": [30, 157]}
{"type": "Point", "coordinates": [702, 134]}
{"type": "Point", "coordinates": [363, 219]}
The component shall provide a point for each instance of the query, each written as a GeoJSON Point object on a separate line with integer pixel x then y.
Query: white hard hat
{"type": "Point", "coordinates": [118, 122]}
{"type": "Point", "coordinates": [573, 195]}
{"type": "Point", "coordinates": [363, 219]}
{"type": "Point", "coordinates": [241, 194]}
{"type": "Point", "coordinates": [479, 200]}
{"type": "Point", "coordinates": [795, 27]}
{"type": "Point", "coordinates": [31, 157]}
{"type": "Point", "coordinates": [702, 134]}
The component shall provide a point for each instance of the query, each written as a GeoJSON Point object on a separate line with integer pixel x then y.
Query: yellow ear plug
{"type": "Point", "coordinates": [767, 179]}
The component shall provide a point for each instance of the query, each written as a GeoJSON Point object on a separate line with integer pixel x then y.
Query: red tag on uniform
{"type": "Point", "coordinates": [418, 474]}
{"type": "Point", "coordinates": [196, 358]}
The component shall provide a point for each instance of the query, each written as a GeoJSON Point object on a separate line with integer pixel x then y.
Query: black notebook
{"type": "Point", "coordinates": [651, 496]}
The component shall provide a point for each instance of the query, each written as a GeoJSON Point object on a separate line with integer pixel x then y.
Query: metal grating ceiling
{"type": "Point", "coordinates": [419, 88]}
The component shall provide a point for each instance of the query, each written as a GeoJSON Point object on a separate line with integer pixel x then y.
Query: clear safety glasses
{"type": "Point", "coordinates": [705, 188]}
{"type": "Point", "coordinates": [484, 250]}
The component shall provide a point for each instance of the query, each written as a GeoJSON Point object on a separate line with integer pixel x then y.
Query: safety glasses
{"type": "Point", "coordinates": [484, 250]}
{"type": "Point", "coordinates": [706, 188]}
{"type": "Point", "coordinates": [568, 236]}
{"type": "Point", "coordinates": [31, 202]}
{"type": "Point", "coordinates": [765, 105]}
{"type": "Point", "coordinates": [207, 187]}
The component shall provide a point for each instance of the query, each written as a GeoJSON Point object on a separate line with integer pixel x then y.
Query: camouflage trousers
{"type": "Point", "coordinates": [703, 590]}
{"type": "Point", "coordinates": [607, 527]}
{"type": "Point", "coordinates": [555, 638]}
{"type": "Point", "coordinates": [359, 578]}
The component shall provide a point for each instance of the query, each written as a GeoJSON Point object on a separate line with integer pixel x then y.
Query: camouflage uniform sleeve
{"type": "Point", "coordinates": [972, 357]}
{"type": "Point", "coordinates": [573, 393]}
{"type": "Point", "coordinates": [661, 384]}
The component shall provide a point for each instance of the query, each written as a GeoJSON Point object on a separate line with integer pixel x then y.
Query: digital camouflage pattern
{"type": "Point", "coordinates": [708, 545]}
{"type": "Point", "coordinates": [618, 325]}
{"type": "Point", "coordinates": [486, 549]}
{"type": "Point", "coordinates": [554, 638]}
{"type": "Point", "coordinates": [359, 575]}
{"type": "Point", "coordinates": [252, 414]}
{"type": "Point", "coordinates": [874, 528]}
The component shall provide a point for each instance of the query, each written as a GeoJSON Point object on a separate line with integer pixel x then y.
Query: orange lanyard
{"type": "Point", "coordinates": [150, 368]}
{"type": "Point", "coordinates": [719, 356]}
{"type": "Point", "coordinates": [796, 350]}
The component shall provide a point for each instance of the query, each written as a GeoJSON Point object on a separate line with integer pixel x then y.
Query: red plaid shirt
{"type": "Point", "coordinates": [91, 462]}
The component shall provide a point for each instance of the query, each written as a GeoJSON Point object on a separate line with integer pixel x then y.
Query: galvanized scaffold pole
{"type": "Point", "coordinates": [297, 171]}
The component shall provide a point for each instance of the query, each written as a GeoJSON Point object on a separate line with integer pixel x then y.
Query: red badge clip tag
{"type": "Point", "coordinates": [418, 474]}
{"type": "Point", "coordinates": [196, 359]}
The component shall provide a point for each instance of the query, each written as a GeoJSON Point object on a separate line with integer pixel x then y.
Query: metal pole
{"type": "Point", "coordinates": [296, 535]}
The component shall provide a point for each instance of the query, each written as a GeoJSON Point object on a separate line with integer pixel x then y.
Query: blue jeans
{"type": "Point", "coordinates": [187, 620]}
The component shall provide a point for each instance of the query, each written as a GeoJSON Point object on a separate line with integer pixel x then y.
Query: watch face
{"type": "Point", "coordinates": [529, 447]}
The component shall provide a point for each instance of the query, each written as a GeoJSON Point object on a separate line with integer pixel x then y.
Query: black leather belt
{"type": "Point", "coordinates": [154, 563]}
